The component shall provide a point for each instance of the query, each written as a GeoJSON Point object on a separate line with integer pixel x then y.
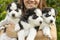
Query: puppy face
{"type": "Point", "coordinates": [14, 10]}
{"type": "Point", "coordinates": [49, 15]}
{"type": "Point", "coordinates": [34, 16]}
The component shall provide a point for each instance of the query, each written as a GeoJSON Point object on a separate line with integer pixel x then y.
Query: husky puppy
{"type": "Point", "coordinates": [49, 19]}
{"type": "Point", "coordinates": [13, 15]}
{"type": "Point", "coordinates": [29, 23]}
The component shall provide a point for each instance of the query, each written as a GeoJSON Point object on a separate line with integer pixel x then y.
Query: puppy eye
{"type": "Point", "coordinates": [16, 10]}
{"type": "Point", "coordinates": [47, 15]}
{"type": "Point", "coordinates": [10, 10]}
{"type": "Point", "coordinates": [54, 16]}
{"type": "Point", "coordinates": [34, 17]}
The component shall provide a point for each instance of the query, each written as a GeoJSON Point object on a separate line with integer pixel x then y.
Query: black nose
{"type": "Point", "coordinates": [51, 21]}
{"type": "Point", "coordinates": [13, 15]}
{"type": "Point", "coordinates": [40, 22]}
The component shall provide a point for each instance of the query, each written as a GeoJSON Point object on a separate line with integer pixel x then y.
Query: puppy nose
{"type": "Point", "coordinates": [40, 22]}
{"type": "Point", "coordinates": [51, 21]}
{"type": "Point", "coordinates": [13, 15]}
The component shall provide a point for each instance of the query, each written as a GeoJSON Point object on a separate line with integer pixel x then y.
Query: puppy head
{"type": "Point", "coordinates": [34, 16]}
{"type": "Point", "coordinates": [49, 15]}
{"type": "Point", "coordinates": [14, 10]}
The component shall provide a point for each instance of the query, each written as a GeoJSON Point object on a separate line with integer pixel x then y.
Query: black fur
{"type": "Point", "coordinates": [47, 15]}
{"type": "Point", "coordinates": [24, 18]}
{"type": "Point", "coordinates": [37, 28]}
{"type": "Point", "coordinates": [46, 10]}
{"type": "Point", "coordinates": [5, 29]}
{"type": "Point", "coordinates": [35, 16]}
{"type": "Point", "coordinates": [21, 26]}
{"type": "Point", "coordinates": [8, 7]}
{"type": "Point", "coordinates": [29, 12]}
{"type": "Point", "coordinates": [18, 7]}
{"type": "Point", "coordinates": [17, 10]}
{"type": "Point", "coordinates": [17, 38]}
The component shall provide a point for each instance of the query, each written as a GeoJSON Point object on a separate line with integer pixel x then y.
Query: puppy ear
{"type": "Point", "coordinates": [8, 7]}
{"type": "Point", "coordinates": [30, 11]}
{"type": "Point", "coordinates": [38, 12]}
{"type": "Point", "coordinates": [56, 13]}
{"type": "Point", "coordinates": [46, 10]}
{"type": "Point", "coordinates": [54, 10]}
{"type": "Point", "coordinates": [19, 6]}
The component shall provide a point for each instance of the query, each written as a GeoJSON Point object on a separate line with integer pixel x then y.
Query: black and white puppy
{"type": "Point", "coordinates": [29, 23]}
{"type": "Point", "coordinates": [49, 15]}
{"type": "Point", "coordinates": [13, 15]}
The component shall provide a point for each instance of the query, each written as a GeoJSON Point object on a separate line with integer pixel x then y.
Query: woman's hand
{"type": "Point", "coordinates": [10, 31]}
{"type": "Point", "coordinates": [10, 25]}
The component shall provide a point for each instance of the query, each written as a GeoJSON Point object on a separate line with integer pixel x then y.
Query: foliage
{"type": "Point", "coordinates": [2, 14]}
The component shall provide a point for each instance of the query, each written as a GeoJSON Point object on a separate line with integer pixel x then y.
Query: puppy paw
{"type": "Point", "coordinates": [17, 27]}
{"type": "Point", "coordinates": [48, 36]}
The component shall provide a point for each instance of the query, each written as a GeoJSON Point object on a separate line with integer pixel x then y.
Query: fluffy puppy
{"type": "Point", "coordinates": [13, 15]}
{"type": "Point", "coordinates": [29, 23]}
{"type": "Point", "coordinates": [49, 19]}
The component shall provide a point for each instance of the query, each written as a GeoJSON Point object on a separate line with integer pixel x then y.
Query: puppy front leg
{"type": "Point", "coordinates": [46, 32]}
{"type": "Point", "coordinates": [17, 27]}
{"type": "Point", "coordinates": [21, 35]}
{"type": "Point", "coordinates": [3, 22]}
{"type": "Point", "coordinates": [32, 34]}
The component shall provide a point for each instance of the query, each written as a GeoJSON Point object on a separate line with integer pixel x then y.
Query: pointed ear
{"type": "Point", "coordinates": [44, 10]}
{"type": "Point", "coordinates": [8, 7]}
{"type": "Point", "coordinates": [56, 12]}
{"type": "Point", "coordinates": [19, 6]}
{"type": "Point", "coordinates": [27, 12]}
{"type": "Point", "coordinates": [30, 11]}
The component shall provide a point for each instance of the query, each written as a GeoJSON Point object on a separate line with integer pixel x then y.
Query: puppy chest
{"type": "Point", "coordinates": [25, 25]}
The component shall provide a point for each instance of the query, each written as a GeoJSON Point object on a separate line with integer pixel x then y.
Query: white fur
{"type": "Point", "coordinates": [32, 34]}
{"type": "Point", "coordinates": [46, 30]}
{"type": "Point", "coordinates": [38, 12]}
{"type": "Point", "coordinates": [13, 6]}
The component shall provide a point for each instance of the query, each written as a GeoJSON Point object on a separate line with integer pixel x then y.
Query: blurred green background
{"type": "Point", "coordinates": [51, 3]}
